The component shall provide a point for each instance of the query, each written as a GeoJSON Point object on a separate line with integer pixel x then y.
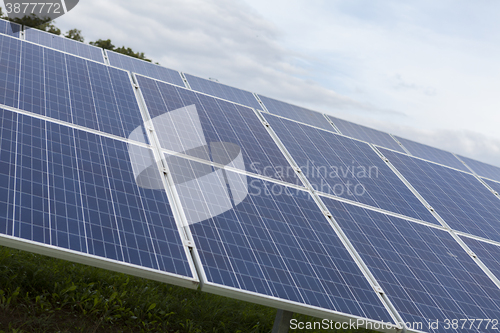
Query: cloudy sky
{"type": "Point", "coordinates": [425, 70]}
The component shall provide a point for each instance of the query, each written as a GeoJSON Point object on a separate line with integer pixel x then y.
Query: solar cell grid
{"type": "Point", "coordinates": [296, 113]}
{"type": "Point", "coordinates": [367, 134]}
{"type": "Point", "coordinates": [432, 154]}
{"type": "Point", "coordinates": [10, 28]}
{"type": "Point", "coordinates": [10, 50]}
{"type": "Point", "coordinates": [223, 91]}
{"type": "Point", "coordinates": [483, 169]}
{"type": "Point", "coordinates": [205, 127]}
{"type": "Point", "coordinates": [144, 68]}
{"type": "Point", "coordinates": [350, 169]}
{"type": "Point", "coordinates": [459, 198]}
{"type": "Point", "coordinates": [423, 270]}
{"type": "Point", "coordinates": [64, 44]}
{"type": "Point", "coordinates": [489, 254]}
{"type": "Point", "coordinates": [263, 237]}
{"type": "Point", "coordinates": [78, 191]}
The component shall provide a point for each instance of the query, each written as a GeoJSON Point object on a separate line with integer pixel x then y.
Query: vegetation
{"type": "Point", "coordinates": [43, 294]}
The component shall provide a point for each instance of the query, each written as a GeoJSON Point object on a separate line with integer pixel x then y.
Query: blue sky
{"type": "Point", "coordinates": [424, 70]}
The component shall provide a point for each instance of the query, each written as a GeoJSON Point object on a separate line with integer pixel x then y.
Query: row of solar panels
{"type": "Point", "coordinates": [292, 215]}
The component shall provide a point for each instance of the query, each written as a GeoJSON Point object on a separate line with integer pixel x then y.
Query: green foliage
{"type": "Point", "coordinates": [104, 44]}
{"type": "Point", "coordinates": [36, 22]}
{"type": "Point", "coordinates": [75, 34]}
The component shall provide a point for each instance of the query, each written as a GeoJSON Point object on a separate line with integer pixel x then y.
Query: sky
{"type": "Point", "coordinates": [424, 70]}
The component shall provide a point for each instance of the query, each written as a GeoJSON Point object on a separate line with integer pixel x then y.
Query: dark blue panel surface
{"type": "Point", "coordinates": [263, 237]}
{"type": "Point", "coordinates": [489, 254]}
{"type": "Point", "coordinates": [144, 68]}
{"type": "Point", "coordinates": [367, 134]}
{"type": "Point", "coordinates": [10, 61]}
{"type": "Point", "coordinates": [296, 113]}
{"type": "Point", "coordinates": [223, 91]}
{"type": "Point", "coordinates": [432, 154]}
{"type": "Point", "coordinates": [494, 185]}
{"type": "Point", "coordinates": [347, 168]}
{"type": "Point", "coordinates": [78, 191]}
{"type": "Point", "coordinates": [423, 271]}
{"type": "Point", "coordinates": [483, 169]}
{"type": "Point", "coordinates": [202, 126]}
{"type": "Point", "coordinates": [458, 197]}
{"type": "Point", "coordinates": [64, 44]}
{"type": "Point", "coordinates": [10, 28]}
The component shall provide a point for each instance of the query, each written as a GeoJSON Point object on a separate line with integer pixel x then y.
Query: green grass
{"type": "Point", "coordinates": [43, 294]}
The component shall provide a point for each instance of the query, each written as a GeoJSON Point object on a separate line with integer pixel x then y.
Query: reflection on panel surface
{"type": "Point", "coordinates": [10, 28]}
{"type": "Point", "coordinates": [367, 134]}
{"type": "Point", "coordinates": [423, 271]}
{"type": "Point", "coordinates": [347, 168]}
{"type": "Point", "coordinates": [459, 198]}
{"type": "Point", "coordinates": [64, 44]}
{"type": "Point", "coordinates": [432, 154]}
{"type": "Point", "coordinates": [211, 129]}
{"type": "Point", "coordinates": [68, 88]}
{"type": "Point", "coordinates": [263, 237]}
{"type": "Point", "coordinates": [296, 113]}
{"type": "Point", "coordinates": [483, 169]}
{"type": "Point", "coordinates": [223, 91]}
{"type": "Point", "coordinates": [77, 191]}
{"type": "Point", "coordinates": [144, 68]}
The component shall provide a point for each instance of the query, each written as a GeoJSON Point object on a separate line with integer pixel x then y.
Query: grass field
{"type": "Point", "coordinates": [43, 294]}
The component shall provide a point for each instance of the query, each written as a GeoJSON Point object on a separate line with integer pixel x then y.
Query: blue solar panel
{"type": "Point", "coordinates": [423, 270]}
{"type": "Point", "coordinates": [432, 154]}
{"type": "Point", "coordinates": [482, 169]}
{"type": "Point", "coordinates": [144, 68]}
{"type": "Point", "coordinates": [489, 254]}
{"type": "Point", "coordinates": [10, 28]}
{"type": "Point", "coordinates": [265, 238]}
{"type": "Point", "coordinates": [78, 191]}
{"type": "Point", "coordinates": [64, 44]}
{"type": "Point", "coordinates": [367, 134]}
{"type": "Point", "coordinates": [70, 89]}
{"type": "Point", "coordinates": [10, 49]}
{"type": "Point", "coordinates": [296, 113]}
{"type": "Point", "coordinates": [223, 91]}
{"type": "Point", "coordinates": [347, 168]}
{"type": "Point", "coordinates": [459, 198]}
{"type": "Point", "coordinates": [212, 129]}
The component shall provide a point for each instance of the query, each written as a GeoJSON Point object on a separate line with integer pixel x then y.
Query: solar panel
{"type": "Point", "coordinates": [367, 134]}
{"type": "Point", "coordinates": [459, 198]}
{"type": "Point", "coordinates": [423, 270]}
{"type": "Point", "coordinates": [350, 169]}
{"type": "Point", "coordinates": [75, 192]}
{"type": "Point", "coordinates": [488, 253]}
{"type": "Point", "coordinates": [10, 28]}
{"type": "Point", "coordinates": [432, 154]}
{"type": "Point", "coordinates": [482, 169]}
{"type": "Point", "coordinates": [223, 91]}
{"type": "Point", "coordinates": [144, 68]}
{"type": "Point", "coordinates": [64, 44]}
{"type": "Point", "coordinates": [10, 49]}
{"type": "Point", "coordinates": [212, 129]}
{"type": "Point", "coordinates": [297, 113]}
{"type": "Point", "coordinates": [268, 240]}
{"type": "Point", "coordinates": [70, 89]}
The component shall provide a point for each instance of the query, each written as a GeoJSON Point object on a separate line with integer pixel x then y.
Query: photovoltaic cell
{"type": "Point", "coordinates": [296, 113]}
{"type": "Point", "coordinates": [70, 89]}
{"type": "Point", "coordinates": [10, 50]}
{"type": "Point", "coordinates": [10, 28]}
{"type": "Point", "coordinates": [367, 134]}
{"type": "Point", "coordinates": [223, 91]}
{"type": "Point", "coordinates": [64, 44]}
{"type": "Point", "coordinates": [268, 239]}
{"type": "Point", "coordinates": [482, 169]}
{"type": "Point", "coordinates": [489, 254]}
{"type": "Point", "coordinates": [77, 191]}
{"type": "Point", "coordinates": [144, 68]}
{"type": "Point", "coordinates": [215, 130]}
{"type": "Point", "coordinates": [423, 270]}
{"type": "Point", "coordinates": [459, 198]}
{"type": "Point", "coordinates": [351, 169]}
{"type": "Point", "coordinates": [494, 185]}
{"type": "Point", "coordinates": [433, 154]}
